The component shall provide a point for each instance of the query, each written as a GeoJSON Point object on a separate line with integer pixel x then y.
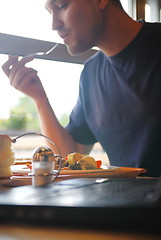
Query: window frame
{"type": "Point", "coordinates": [21, 46]}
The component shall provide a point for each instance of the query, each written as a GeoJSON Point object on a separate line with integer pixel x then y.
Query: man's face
{"type": "Point", "coordinates": [78, 22]}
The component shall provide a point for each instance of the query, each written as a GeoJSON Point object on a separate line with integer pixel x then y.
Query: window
{"type": "Point", "coordinates": [152, 10]}
{"type": "Point", "coordinates": [125, 4]}
{"type": "Point", "coordinates": [27, 19]}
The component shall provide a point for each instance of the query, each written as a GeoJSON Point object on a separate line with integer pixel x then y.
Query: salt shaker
{"type": "Point", "coordinates": [43, 162]}
{"type": "Point", "coordinates": [43, 165]}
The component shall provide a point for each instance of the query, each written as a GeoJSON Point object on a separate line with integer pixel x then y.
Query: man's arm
{"type": "Point", "coordinates": [51, 127]}
{"type": "Point", "coordinates": [27, 81]}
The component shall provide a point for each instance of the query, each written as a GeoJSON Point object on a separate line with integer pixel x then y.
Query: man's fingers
{"type": "Point", "coordinates": [13, 64]}
{"type": "Point", "coordinates": [21, 75]}
{"type": "Point", "coordinates": [6, 67]}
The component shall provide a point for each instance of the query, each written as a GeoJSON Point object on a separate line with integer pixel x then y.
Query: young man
{"type": "Point", "coordinates": [120, 87]}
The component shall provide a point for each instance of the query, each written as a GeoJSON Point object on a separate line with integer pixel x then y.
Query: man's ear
{"type": "Point", "coordinates": [103, 3]}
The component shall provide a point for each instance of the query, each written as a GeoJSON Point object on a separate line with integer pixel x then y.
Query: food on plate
{"type": "Point", "coordinates": [73, 158]}
{"type": "Point", "coordinates": [7, 156]}
{"type": "Point", "coordinates": [87, 162]}
{"type": "Point", "coordinates": [19, 161]}
{"type": "Point", "coordinates": [77, 161]}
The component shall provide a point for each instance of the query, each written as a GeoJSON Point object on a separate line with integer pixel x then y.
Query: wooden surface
{"type": "Point", "coordinates": [18, 232]}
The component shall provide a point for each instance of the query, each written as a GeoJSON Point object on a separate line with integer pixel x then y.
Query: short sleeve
{"type": "Point", "coordinates": [78, 126]}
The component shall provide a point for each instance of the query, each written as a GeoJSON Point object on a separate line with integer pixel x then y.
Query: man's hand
{"type": "Point", "coordinates": [23, 78]}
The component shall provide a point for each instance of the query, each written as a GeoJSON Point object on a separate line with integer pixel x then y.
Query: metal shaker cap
{"type": "Point", "coordinates": [43, 154]}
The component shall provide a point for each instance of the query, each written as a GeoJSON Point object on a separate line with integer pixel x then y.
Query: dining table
{"type": "Point", "coordinates": [26, 230]}
{"type": "Point", "coordinates": [10, 230]}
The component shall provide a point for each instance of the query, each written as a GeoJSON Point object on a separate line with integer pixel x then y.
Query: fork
{"type": "Point", "coordinates": [42, 53]}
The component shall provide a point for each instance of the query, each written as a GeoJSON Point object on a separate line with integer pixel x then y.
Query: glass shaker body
{"type": "Point", "coordinates": [43, 165]}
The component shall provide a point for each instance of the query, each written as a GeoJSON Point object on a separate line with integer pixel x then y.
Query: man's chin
{"type": "Point", "coordinates": [75, 51]}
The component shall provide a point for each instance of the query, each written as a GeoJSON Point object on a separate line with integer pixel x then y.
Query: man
{"type": "Point", "coordinates": [120, 87]}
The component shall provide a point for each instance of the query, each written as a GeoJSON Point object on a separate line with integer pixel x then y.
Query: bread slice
{"type": "Point", "coordinates": [7, 156]}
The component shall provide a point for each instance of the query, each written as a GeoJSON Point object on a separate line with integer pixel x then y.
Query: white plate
{"type": "Point", "coordinates": [20, 175]}
{"type": "Point", "coordinates": [22, 169]}
{"type": "Point", "coordinates": [97, 171]}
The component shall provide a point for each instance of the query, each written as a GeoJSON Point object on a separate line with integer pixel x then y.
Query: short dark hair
{"type": "Point", "coordinates": [117, 3]}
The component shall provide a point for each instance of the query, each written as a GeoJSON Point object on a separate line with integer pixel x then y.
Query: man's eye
{"type": "Point", "coordinates": [61, 6]}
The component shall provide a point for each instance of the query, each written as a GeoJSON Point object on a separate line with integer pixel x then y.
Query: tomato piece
{"type": "Point", "coordinates": [99, 163]}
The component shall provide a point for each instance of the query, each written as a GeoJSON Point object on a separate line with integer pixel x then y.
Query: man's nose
{"type": "Point", "coordinates": [56, 22]}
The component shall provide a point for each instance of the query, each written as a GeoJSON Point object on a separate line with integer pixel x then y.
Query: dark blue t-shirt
{"type": "Point", "coordinates": [119, 103]}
